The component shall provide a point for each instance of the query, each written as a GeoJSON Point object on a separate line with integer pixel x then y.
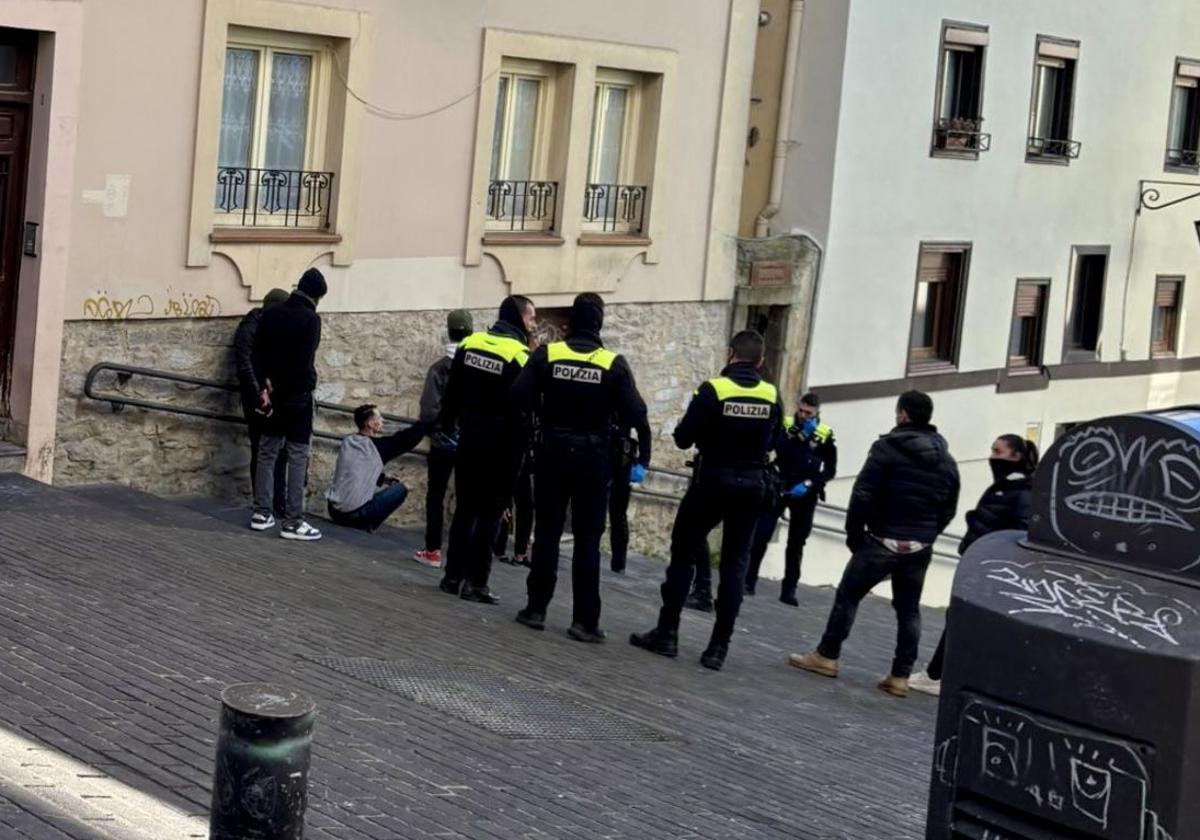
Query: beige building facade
{"type": "Point", "coordinates": [187, 157]}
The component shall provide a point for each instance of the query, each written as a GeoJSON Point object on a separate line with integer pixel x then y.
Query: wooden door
{"type": "Point", "coordinates": [17, 48]}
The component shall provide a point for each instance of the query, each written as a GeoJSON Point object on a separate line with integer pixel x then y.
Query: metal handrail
{"type": "Point", "coordinates": [127, 372]}
{"type": "Point", "coordinates": [118, 402]}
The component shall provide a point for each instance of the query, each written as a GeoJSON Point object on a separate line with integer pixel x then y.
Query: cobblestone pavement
{"type": "Point", "coordinates": [123, 616]}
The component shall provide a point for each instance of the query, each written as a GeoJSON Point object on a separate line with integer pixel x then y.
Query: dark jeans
{"type": "Point", "coordinates": [800, 524]}
{"type": "Point", "coordinates": [934, 670]}
{"type": "Point", "coordinates": [271, 450]}
{"type": "Point", "coordinates": [440, 468]}
{"type": "Point", "coordinates": [521, 521]}
{"type": "Point", "coordinates": [373, 514]}
{"type": "Point", "coordinates": [701, 510]}
{"type": "Point", "coordinates": [571, 470]}
{"type": "Point", "coordinates": [485, 471]}
{"type": "Point", "coordinates": [618, 513]}
{"type": "Point", "coordinates": [868, 567]}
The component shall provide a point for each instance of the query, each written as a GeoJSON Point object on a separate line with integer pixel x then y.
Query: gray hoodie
{"type": "Point", "coordinates": [356, 475]}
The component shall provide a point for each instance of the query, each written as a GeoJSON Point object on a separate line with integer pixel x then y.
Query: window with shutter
{"type": "Point", "coordinates": [1050, 111]}
{"type": "Point", "coordinates": [1183, 131]}
{"type": "Point", "coordinates": [1028, 324]}
{"type": "Point", "coordinates": [941, 280]}
{"type": "Point", "coordinates": [959, 118]}
{"type": "Point", "coordinates": [1164, 333]}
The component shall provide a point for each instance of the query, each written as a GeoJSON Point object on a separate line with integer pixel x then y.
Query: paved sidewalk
{"type": "Point", "coordinates": [123, 617]}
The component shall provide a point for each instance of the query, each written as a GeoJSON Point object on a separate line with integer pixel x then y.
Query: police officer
{"type": "Point", "coordinates": [735, 421]}
{"type": "Point", "coordinates": [578, 389]}
{"type": "Point", "coordinates": [625, 455]}
{"type": "Point", "coordinates": [807, 460]}
{"type": "Point", "coordinates": [490, 444]}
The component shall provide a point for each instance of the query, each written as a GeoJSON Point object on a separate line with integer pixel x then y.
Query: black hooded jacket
{"type": "Point", "coordinates": [243, 355]}
{"type": "Point", "coordinates": [285, 349]}
{"type": "Point", "coordinates": [907, 489]}
{"type": "Point", "coordinates": [477, 401]}
{"type": "Point", "coordinates": [576, 407]}
{"type": "Point", "coordinates": [1004, 506]}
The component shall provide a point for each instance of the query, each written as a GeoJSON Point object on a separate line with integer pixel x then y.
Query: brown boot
{"type": "Point", "coordinates": [814, 662]}
{"type": "Point", "coordinates": [895, 686]}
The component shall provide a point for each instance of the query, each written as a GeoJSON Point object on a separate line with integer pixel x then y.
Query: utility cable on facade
{"type": "Point", "coordinates": [388, 114]}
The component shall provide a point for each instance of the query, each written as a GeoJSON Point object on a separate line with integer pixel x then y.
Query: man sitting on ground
{"type": "Point", "coordinates": [353, 498]}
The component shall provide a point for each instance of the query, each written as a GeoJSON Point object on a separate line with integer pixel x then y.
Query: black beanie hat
{"type": "Point", "coordinates": [587, 314]}
{"type": "Point", "coordinates": [312, 283]}
{"type": "Point", "coordinates": [512, 312]}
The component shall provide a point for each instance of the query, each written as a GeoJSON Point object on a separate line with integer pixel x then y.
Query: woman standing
{"type": "Point", "coordinates": [1004, 506]}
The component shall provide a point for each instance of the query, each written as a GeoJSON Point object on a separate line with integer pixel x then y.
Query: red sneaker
{"type": "Point", "coordinates": [432, 559]}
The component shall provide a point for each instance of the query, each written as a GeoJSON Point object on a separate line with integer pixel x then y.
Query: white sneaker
{"type": "Point", "coordinates": [262, 522]}
{"type": "Point", "coordinates": [925, 684]}
{"type": "Point", "coordinates": [300, 531]}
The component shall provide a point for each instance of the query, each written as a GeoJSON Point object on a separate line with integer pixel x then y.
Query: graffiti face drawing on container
{"type": "Point", "coordinates": [1135, 495]}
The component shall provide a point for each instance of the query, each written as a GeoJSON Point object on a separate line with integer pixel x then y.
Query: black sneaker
{"type": "Point", "coordinates": [699, 600]}
{"type": "Point", "coordinates": [657, 641]}
{"type": "Point", "coordinates": [450, 586]}
{"type": "Point", "coordinates": [749, 589]}
{"type": "Point", "coordinates": [478, 594]}
{"type": "Point", "coordinates": [788, 596]}
{"type": "Point", "coordinates": [714, 655]}
{"type": "Point", "coordinates": [581, 634]}
{"type": "Point", "coordinates": [532, 619]}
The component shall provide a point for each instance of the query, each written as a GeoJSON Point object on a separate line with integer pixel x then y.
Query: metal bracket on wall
{"type": "Point", "coordinates": [1151, 197]}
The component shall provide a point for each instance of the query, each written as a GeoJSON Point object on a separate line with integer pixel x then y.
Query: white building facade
{"type": "Point", "coordinates": [973, 173]}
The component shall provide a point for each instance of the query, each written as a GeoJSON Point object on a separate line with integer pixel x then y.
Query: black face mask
{"type": "Point", "coordinates": [1002, 467]}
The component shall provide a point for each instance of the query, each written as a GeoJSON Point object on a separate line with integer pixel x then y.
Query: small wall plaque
{"type": "Point", "coordinates": [29, 240]}
{"type": "Point", "coordinates": [771, 273]}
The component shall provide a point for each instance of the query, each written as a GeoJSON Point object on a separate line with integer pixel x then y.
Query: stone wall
{"type": "Point", "coordinates": [375, 357]}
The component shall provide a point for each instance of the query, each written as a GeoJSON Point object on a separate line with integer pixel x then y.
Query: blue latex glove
{"type": "Point", "coordinates": [809, 426]}
{"type": "Point", "coordinates": [637, 475]}
{"type": "Point", "coordinates": [799, 490]}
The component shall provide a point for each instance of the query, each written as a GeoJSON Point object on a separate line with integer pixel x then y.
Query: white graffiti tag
{"type": "Point", "coordinates": [1089, 599]}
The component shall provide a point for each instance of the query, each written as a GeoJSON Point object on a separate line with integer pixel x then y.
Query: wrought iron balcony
{"type": "Point", "coordinates": [1189, 158]}
{"type": "Point", "coordinates": [522, 205]}
{"type": "Point", "coordinates": [615, 207]}
{"type": "Point", "coordinates": [961, 134]}
{"type": "Point", "coordinates": [1045, 147]}
{"type": "Point", "coordinates": [248, 197]}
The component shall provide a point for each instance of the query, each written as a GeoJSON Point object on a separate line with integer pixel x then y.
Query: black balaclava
{"type": "Point", "coordinates": [512, 313]}
{"type": "Point", "coordinates": [586, 318]}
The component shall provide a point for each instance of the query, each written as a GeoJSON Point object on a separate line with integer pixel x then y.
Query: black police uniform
{"type": "Point", "coordinates": [625, 455]}
{"type": "Point", "coordinates": [577, 388]}
{"type": "Point", "coordinates": [735, 420]}
{"type": "Point", "coordinates": [490, 446]}
{"type": "Point", "coordinates": [799, 458]}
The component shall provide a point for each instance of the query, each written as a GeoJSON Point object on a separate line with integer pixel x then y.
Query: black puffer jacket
{"type": "Point", "coordinates": [1003, 507]}
{"type": "Point", "coordinates": [907, 489]}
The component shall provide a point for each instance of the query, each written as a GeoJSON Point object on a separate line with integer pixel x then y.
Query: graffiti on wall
{"type": "Point", "coordinates": [104, 307]}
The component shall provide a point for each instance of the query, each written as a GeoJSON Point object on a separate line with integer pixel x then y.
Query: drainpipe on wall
{"type": "Point", "coordinates": [783, 129]}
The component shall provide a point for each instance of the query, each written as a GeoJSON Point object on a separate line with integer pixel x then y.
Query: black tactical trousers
{"type": "Point", "coordinates": [701, 510]}
{"type": "Point", "coordinates": [485, 471]}
{"type": "Point", "coordinates": [618, 513]}
{"type": "Point", "coordinates": [800, 523]}
{"type": "Point", "coordinates": [574, 470]}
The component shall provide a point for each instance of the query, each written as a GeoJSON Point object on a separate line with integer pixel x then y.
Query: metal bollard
{"type": "Point", "coordinates": [260, 783]}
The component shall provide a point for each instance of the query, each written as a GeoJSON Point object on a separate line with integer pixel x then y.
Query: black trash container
{"type": "Point", "coordinates": [1070, 705]}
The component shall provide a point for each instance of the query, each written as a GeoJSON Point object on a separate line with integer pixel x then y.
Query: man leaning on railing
{"type": "Point", "coordinates": [285, 352]}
